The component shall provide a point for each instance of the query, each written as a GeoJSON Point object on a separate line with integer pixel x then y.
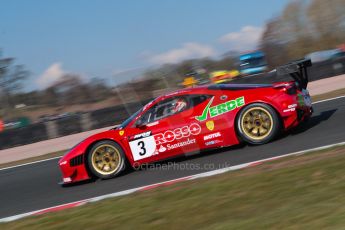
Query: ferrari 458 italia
{"type": "Point", "coordinates": [192, 120]}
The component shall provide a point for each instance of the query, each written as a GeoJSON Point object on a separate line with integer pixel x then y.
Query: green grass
{"type": "Point", "coordinates": [301, 192]}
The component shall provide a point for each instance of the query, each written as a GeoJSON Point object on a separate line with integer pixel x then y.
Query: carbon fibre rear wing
{"type": "Point", "coordinates": [297, 70]}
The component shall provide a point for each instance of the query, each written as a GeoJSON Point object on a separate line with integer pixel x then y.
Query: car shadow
{"type": "Point", "coordinates": [94, 179]}
{"type": "Point", "coordinates": [190, 156]}
{"type": "Point", "coordinates": [78, 183]}
{"type": "Point", "coordinates": [312, 122]}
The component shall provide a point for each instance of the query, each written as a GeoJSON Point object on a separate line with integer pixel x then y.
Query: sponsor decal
{"type": "Point", "coordinates": [121, 132]}
{"type": "Point", "coordinates": [176, 134]}
{"type": "Point", "coordinates": [146, 145]}
{"type": "Point", "coordinates": [290, 108]}
{"type": "Point", "coordinates": [162, 149]}
{"type": "Point", "coordinates": [181, 144]}
{"type": "Point", "coordinates": [306, 97]}
{"type": "Point", "coordinates": [140, 135]}
{"type": "Point", "coordinates": [303, 99]}
{"type": "Point", "coordinates": [220, 109]}
{"type": "Point", "coordinates": [210, 125]}
{"type": "Point", "coordinates": [213, 142]}
{"type": "Point", "coordinates": [300, 99]}
{"type": "Point", "coordinates": [212, 135]}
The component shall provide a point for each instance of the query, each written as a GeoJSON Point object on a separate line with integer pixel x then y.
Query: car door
{"type": "Point", "coordinates": [161, 131]}
{"type": "Point", "coordinates": [212, 113]}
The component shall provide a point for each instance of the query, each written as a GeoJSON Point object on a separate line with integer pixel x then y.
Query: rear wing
{"type": "Point", "coordinates": [297, 70]}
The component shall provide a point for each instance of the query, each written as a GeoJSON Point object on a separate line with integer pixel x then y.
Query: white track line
{"type": "Point", "coordinates": [147, 187]}
{"type": "Point", "coordinates": [330, 99]}
{"type": "Point", "coordinates": [29, 163]}
{"type": "Point", "coordinates": [34, 162]}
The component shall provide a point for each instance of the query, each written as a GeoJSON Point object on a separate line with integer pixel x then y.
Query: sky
{"type": "Point", "coordinates": [110, 38]}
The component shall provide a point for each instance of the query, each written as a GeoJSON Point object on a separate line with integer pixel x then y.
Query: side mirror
{"type": "Point", "coordinates": [140, 123]}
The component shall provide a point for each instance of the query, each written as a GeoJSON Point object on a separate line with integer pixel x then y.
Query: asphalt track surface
{"type": "Point", "coordinates": [33, 187]}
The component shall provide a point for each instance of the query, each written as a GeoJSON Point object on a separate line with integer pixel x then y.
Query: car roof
{"type": "Point", "coordinates": [210, 87]}
{"type": "Point", "coordinates": [185, 91]}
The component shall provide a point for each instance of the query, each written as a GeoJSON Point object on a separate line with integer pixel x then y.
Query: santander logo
{"type": "Point", "coordinates": [162, 149]}
{"type": "Point", "coordinates": [176, 134]}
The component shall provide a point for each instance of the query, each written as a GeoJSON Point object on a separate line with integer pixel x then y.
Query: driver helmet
{"type": "Point", "coordinates": [179, 105]}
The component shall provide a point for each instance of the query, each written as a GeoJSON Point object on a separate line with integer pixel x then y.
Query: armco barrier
{"type": "Point", "coordinates": [22, 136]}
{"type": "Point", "coordinates": [116, 114]}
{"type": "Point", "coordinates": [107, 116]}
{"type": "Point", "coordinates": [68, 125]}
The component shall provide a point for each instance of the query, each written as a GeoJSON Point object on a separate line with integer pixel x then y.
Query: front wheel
{"type": "Point", "coordinates": [258, 123]}
{"type": "Point", "coordinates": [106, 159]}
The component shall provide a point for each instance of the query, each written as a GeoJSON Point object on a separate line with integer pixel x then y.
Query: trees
{"type": "Point", "coordinates": [11, 81]}
{"type": "Point", "coordinates": [71, 89]}
{"type": "Point", "coordinates": [302, 28]}
{"type": "Point", "coordinates": [327, 22]}
{"type": "Point", "coordinates": [11, 76]}
{"type": "Point", "coordinates": [272, 45]}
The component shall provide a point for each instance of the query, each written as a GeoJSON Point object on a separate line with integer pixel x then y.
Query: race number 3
{"type": "Point", "coordinates": [141, 144]}
{"type": "Point", "coordinates": [143, 148]}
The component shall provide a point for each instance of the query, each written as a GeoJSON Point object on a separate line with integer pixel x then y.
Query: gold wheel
{"type": "Point", "coordinates": [106, 159]}
{"type": "Point", "coordinates": [257, 123]}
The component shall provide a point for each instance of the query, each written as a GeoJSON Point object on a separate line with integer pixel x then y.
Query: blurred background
{"type": "Point", "coordinates": [72, 66]}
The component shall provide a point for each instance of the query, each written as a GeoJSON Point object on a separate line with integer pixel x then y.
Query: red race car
{"type": "Point", "coordinates": [191, 120]}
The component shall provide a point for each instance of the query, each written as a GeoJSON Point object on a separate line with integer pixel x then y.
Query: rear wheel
{"type": "Point", "coordinates": [106, 159]}
{"type": "Point", "coordinates": [258, 123]}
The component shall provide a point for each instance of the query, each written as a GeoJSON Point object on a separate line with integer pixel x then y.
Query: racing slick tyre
{"type": "Point", "coordinates": [258, 123]}
{"type": "Point", "coordinates": [106, 159]}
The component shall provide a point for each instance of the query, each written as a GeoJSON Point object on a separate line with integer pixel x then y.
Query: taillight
{"type": "Point", "coordinates": [291, 90]}
{"type": "Point", "coordinates": [286, 87]}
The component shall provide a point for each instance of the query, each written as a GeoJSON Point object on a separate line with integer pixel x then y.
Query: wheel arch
{"type": "Point", "coordinates": [281, 122]}
{"type": "Point", "coordinates": [93, 143]}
